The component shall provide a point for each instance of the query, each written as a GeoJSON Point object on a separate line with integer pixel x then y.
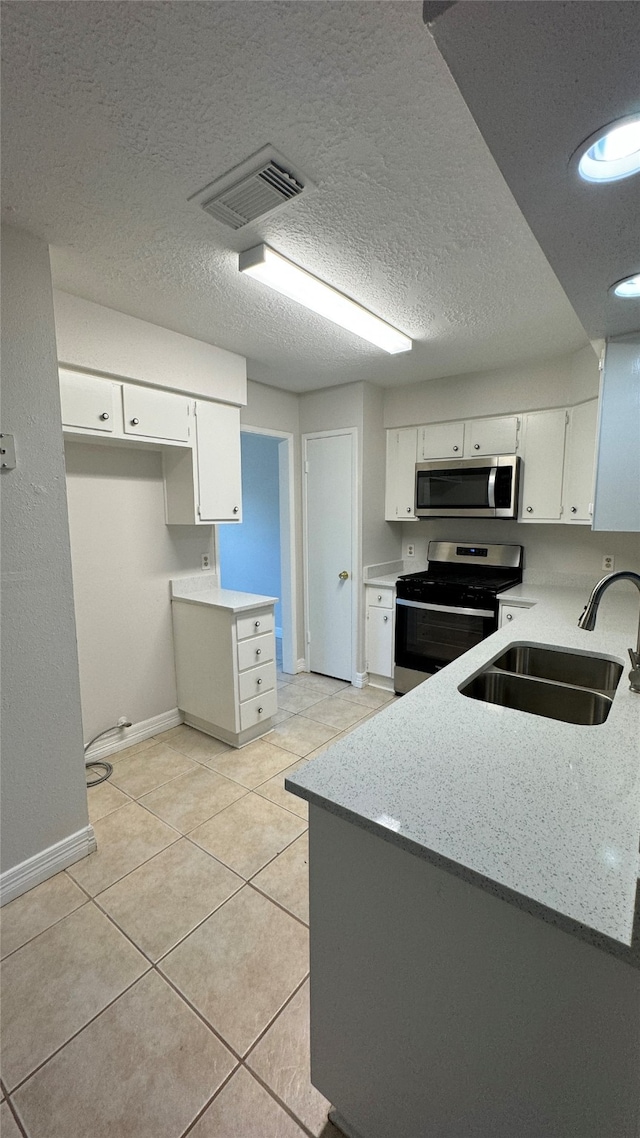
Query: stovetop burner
{"type": "Point", "coordinates": [458, 570]}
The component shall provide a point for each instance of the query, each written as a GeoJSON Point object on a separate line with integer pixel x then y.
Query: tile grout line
{"type": "Point", "coordinates": [16, 1117]}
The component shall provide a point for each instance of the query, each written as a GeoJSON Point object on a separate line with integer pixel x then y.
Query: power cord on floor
{"type": "Point", "coordinates": [92, 763]}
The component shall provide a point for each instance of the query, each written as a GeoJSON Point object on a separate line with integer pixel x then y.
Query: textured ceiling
{"type": "Point", "coordinates": [114, 113]}
{"type": "Point", "coordinates": [583, 62]}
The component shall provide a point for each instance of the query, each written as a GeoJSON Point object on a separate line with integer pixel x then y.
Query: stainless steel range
{"type": "Point", "coordinates": [450, 607]}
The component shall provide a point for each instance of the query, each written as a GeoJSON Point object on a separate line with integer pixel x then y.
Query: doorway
{"type": "Point", "coordinates": [257, 555]}
{"type": "Point", "coordinates": [331, 552]}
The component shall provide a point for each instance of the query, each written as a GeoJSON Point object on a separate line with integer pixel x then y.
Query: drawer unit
{"type": "Point", "coordinates": [509, 613]}
{"type": "Point", "coordinates": [257, 650]}
{"type": "Point", "coordinates": [256, 681]}
{"type": "Point", "coordinates": [258, 710]}
{"type": "Point", "coordinates": [380, 606]}
{"type": "Point", "coordinates": [226, 674]}
{"type": "Point", "coordinates": [254, 624]}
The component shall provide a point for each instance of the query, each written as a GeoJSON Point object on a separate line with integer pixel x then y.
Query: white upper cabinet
{"type": "Point", "coordinates": [441, 440]}
{"type": "Point", "coordinates": [579, 462]}
{"type": "Point", "coordinates": [155, 414]}
{"type": "Point", "coordinates": [617, 491]}
{"type": "Point", "coordinates": [491, 436]}
{"type": "Point", "coordinates": [401, 474]}
{"type": "Point", "coordinates": [542, 450]}
{"type": "Point", "coordinates": [219, 463]}
{"type": "Point", "coordinates": [89, 403]}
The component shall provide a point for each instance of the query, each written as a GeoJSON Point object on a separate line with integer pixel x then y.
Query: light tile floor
{"type": "Point", "coordinates": [158, 988]}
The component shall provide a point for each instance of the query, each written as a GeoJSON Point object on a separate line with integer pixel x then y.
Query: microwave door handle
{"type": "Point", "coordinates": [491, 488]}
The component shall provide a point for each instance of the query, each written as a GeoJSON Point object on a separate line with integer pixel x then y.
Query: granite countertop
{"type": "Point", "coordinates": [388, 581]}
{"type": "Point", "coordinates": [204, 590]}
{"type": "Point", "coordinates": [544, 813]}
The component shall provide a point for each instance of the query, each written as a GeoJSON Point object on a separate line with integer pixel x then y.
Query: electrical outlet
{"type": "Point", "coordinates": [411, 550]}
{"type": "Point", "coordinates": [206, 561]}
{"type": "Point", "coordinates": [608, 562]}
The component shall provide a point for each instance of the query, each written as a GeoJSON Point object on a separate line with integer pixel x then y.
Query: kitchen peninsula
{"type": "Point", "coordinates": [475, 959]}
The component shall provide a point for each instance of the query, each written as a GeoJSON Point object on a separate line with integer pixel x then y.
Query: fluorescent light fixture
{"type": "Point", "coordinates": [629, 287]}
{"type": "Point", "coordinates": [276, 271]}
{"type": "Point", "coordinates": [612, 153]}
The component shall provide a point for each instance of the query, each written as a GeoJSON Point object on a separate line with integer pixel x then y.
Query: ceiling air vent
{"type": "Point", "coordinates": [254, 188]}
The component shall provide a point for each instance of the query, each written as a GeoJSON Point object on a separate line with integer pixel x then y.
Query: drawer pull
{"type": "Point", "coordinates": [258, 651]}
{"type": "Point", "coordinates": [260, 710]}
{"type": "Point", "coordinates": [134, 422]}
{"type": "Point", "coordinates": [509, 616]}
{"type": "Point", "coordinates": [258, 682]}
{"type": "Point", "coordinates": [379, 596]}
{"type": "Point", "coordinates": [256, 624]}
{"type": "Point", "coordinates": [104, 416]}
{"type": "Point", "coordinates": [385, 618]}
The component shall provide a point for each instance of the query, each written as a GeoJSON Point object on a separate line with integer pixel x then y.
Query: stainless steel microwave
{"type": "Point", "coordinates": [468, 487]}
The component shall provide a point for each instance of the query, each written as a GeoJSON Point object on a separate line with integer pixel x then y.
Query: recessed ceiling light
{"type": "Point", "coordinates": [613, 152]}
{"type": "Point", "coordinates": [629, 287]}
{"type": "Point", "coordinates": [282, 275]}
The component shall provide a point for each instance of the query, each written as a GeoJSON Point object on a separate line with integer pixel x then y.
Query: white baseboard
{"type": "Point", "coordinates": [14, 882]}
{"type": "Point", "coordinates": [360, 679]}
{"type": "Point", "coordinates": [301, 666]}
{"type": "Point", "coordinates": [127, 736]}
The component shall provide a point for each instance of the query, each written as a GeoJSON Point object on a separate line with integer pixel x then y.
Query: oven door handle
{"type": "Point", "coordinates": [445, 608]}
{"type": "Point", "coordinates": [491, 488]}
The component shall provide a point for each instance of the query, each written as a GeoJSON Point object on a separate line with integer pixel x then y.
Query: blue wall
{"type": "Point", "coordinates": [250, 552]}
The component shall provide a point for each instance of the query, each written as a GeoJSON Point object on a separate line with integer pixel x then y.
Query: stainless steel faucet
{"type": "Point", "coordinates": [588, 618]}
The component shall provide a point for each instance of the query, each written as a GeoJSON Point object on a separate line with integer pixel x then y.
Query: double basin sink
{"type": "Point", "coordinates": [551, 682]}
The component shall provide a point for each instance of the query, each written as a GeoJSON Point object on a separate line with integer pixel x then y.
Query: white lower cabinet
{"type": "Point", "coordinates": [380, 608]}
{"type": "Point", "coordinates": [226, 676]}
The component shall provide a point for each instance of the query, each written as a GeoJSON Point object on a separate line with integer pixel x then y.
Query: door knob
{"type": "Point", "coordinates": [343, 576]}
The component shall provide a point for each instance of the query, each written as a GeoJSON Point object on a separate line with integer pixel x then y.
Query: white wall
{"type": "Point", "coordinates": [380, 539]}
{"type": "Point", "coordinates": [561, 554]}
{"type": "Point", "coordinates": [123, 556]}
{"type": "Point", "coordinates": [96, 338]}
{"type": "Point", "coordinates": [555, 383]}
{"type": "Point", "coordinates": [43, 781]}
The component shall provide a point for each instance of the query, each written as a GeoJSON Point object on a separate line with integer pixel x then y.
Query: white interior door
{"type": "Point", "coordinates": [330, 509]}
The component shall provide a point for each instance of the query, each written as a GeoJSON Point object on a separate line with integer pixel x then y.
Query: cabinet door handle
{"type": "Point", "coordinates": [385, 618]}
{"type": "Point", "coordinates": [509, 616]}
{"type": "Point", "coordinates": [529, 509]}
{"type": "Point", "coordinates": [258, 682]}
{"type": "Point", "coordinates": [574, 509]}
{"type": "Point", "coordinates": [256, 624]}
{"type": "Point", "coordinates": [379, 596]}
{"type": "Point", "coordinates": [134, 422]}
{"type": "Point", "coordinates": [456, 449]}
{"type": "Point", "coordinates": [408, 509]}
{"type": "Point", "coordinates": [236, 509]}
{"type": "Point", "coordinates": [260, 710]}
{"type": "Point", "coordinates": [104, 416]}
{"type": "Point", "coordinates": [258, 651]}
{"type": "Point", "coordinates": [476, 446]}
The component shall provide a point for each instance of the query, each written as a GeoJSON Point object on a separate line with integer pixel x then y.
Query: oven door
{"type": "Point", "coordinates": [428, 637]}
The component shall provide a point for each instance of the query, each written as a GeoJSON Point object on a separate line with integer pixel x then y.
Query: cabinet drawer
{"type": "Point", "coordinates": [257, 681]}
{"type": "Point", "coordinates": [509, 613]}
{"type": "Point", "coordinates": [258, 709]}
{"type": "Point", "coordinates": [257, 650]}
{"type": "Point", "coordinates": [380, 598]}
{"type": "Point", "coordinates": [254, 623]}
{"type": "Point", "coordinates": [155, 414]}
